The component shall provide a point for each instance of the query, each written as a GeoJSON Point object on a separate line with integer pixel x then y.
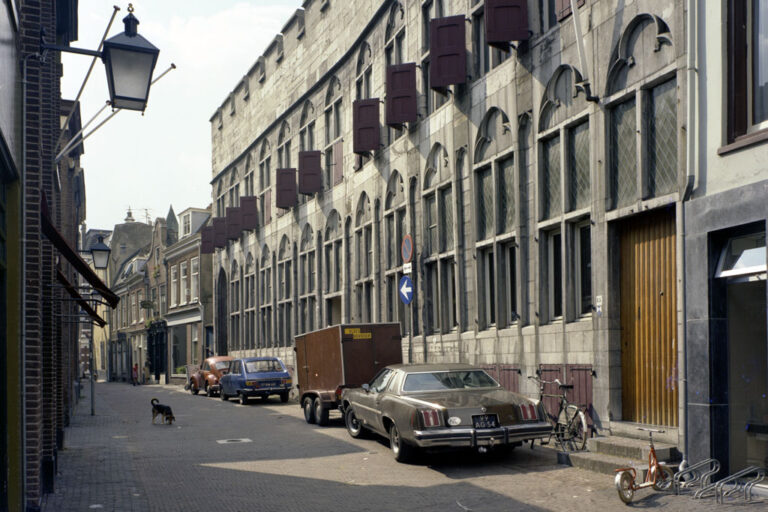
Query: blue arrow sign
{"type": "Point", "coordinates": [406, 290]}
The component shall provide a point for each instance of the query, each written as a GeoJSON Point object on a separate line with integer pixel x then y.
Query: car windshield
{"type": "Point", "coordinates": [221, 365]}
{"type": "Point", "coordinates": [440, 381]}
{"type": "Point", "coordinates": [263, 366]}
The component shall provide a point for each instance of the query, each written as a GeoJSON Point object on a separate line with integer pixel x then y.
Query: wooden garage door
{"type": "Point", "coordinates": [648, 319]}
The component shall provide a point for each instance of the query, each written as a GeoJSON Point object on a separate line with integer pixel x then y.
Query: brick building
{"type": "Point", "coordinates": [539, 182]}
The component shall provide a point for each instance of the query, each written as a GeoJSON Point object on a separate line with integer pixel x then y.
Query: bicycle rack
{"type": "Point", "coordinates": [698, 475]}
{"type": "Point", "coordinates": [739, 487]}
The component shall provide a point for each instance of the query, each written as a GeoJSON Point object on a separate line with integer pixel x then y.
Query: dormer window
{"type": "Point", "coordinates": [186, 225]}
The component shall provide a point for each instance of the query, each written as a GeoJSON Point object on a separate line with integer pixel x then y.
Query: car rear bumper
{"type": "Point", "coordinates": [471, 437]}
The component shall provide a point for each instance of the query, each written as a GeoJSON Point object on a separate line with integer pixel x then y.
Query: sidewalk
{"type": "Point", "coordinates": [95, 468]}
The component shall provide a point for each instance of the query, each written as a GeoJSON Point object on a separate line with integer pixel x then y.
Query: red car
{"type": "Point", "coordinates": [208, 376]}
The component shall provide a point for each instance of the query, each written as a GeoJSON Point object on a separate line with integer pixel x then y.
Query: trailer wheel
{"type": "Point", "coordinates": [309, 409]}
{"type": "Point", "coordinates": [321, 414]}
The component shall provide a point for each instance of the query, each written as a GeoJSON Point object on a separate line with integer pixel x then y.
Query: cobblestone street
{"type": "Point", "coordinates": [118, 461]}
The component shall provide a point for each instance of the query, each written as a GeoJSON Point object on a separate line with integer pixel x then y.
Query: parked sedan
{"type": "Point", "coordinates": [441, 405]}
{"type": "Point", "coordinates": [256, 376]}
{"type": "Point", "coordinates": [207, 378]}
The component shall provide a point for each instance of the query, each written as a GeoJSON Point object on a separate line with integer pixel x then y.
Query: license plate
{"type": "Point", "coordinates": [485, 421]}
{"type": "Point", "coordinates": [268, 384]}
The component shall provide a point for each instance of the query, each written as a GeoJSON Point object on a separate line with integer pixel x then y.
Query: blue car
{"type": "Point", "coordinates": [256, 376]}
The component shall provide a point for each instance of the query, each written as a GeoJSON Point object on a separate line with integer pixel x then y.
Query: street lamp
{"type": "Point", "coordinates": [100, 254]}
{"type": "Point", "coordinates": [129, 60]}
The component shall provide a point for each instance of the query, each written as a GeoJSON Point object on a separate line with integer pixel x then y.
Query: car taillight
{"type": "Point", "coordinates": [338, 393]}
{"type": "Point", "coordinates": [430, 418]}
{"type": "Point", "coordinates": [528, 412]}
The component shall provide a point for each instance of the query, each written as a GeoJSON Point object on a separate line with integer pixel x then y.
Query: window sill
{"type": "Point", "coordinates": [744, 141]}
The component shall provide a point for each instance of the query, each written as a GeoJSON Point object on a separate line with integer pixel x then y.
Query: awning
{"type": "Point", "coordinates": [71, 255]}
{"type": "Point", "coordinates": [79, 299]}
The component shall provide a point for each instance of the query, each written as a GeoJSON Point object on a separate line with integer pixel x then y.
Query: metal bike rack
{"type": "Point", "coordinates": [738, 483]}
{"type": "Point", "coordinates": [698, 475]}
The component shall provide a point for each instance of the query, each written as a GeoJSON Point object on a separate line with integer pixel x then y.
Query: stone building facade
{"type": "Point", "coordinates": [538, 193]}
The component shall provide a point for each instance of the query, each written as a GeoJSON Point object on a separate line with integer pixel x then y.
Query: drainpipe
{"type": "Point", "coordinates": [691, 164]}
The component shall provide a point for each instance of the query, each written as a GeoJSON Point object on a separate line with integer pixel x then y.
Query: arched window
{"type": "Point", "coordinates": [363, 73]}
{"type": "Point", "coordinates": [394, 230]}
{"type": "Point", "coordinates": [265, 302]}
{"type": "Point", "coordinates": [307, 127]}
{"type": "Point", "coordinates": [495, 200]}
{"type": "Point", "coordinates": [332, 266]}
{"type": "Point", "coordinates": [430, 9]}
{"type": "Point", "coordinates": [248, 183]}
{"type": "Point", "coordinates": [221, 205]}
{"type": "Point", "coordinates": [394, 51]}
{"type": "Point", "coordinates": [284, 293]}
{"type": "Point", "coordinates": [249, 303]}
{"type": "Point", "coordinates": [364, 259]}
{"type": "Point", "coordinates": [235, 304]}
{"type": "Point", "coordinates": [265, 177]}
{"type": "Point", "coordinates": [439, 262]}
{"type": "Point", "coordinates": [284, 146]}
{"type": "Point", "coordinates": [234, 188]}
{"type": "Point", "coordinates": [307, 281]}
{"type": "Point", "coordinates": [334, 126]}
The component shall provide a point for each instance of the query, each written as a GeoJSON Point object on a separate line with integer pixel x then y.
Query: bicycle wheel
{"type": "Point", "coordinates": [663, 479]}
{"type": "Point", "coordinates": [578, 431]}
{"type": "Point", "coordinates": [623, 483]}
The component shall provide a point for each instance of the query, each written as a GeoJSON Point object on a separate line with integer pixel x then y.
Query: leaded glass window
{"type": "Point", "coordinates": [485, 191]}
{"type": "Point", "coordinates": [578, 156]}
{"type": "Point", "coordinates": [551, 177]}
{"type": "Point", "coordinates": [662, 139]}
{"type": "Point", "coordinates": [623, 142]}
{"type": "Point", "coordinates": [506, 195]}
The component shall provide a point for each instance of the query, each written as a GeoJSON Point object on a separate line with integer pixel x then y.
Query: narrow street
{"type": "Point", "coordinates": [118, 461]}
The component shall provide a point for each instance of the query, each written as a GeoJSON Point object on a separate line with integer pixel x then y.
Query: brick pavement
{"type": "Point", "coordinates": [118, 461]}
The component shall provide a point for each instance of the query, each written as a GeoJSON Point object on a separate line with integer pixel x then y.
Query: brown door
{"type": "Point", "coordinates": [648, 319]}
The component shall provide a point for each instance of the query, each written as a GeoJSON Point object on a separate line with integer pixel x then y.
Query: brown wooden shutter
{"type": "Point", "coordinates": [310, 172]}
{"type": "Point", "coordinates": [338, 162]}
{"type": "Point", "coordinates": [234, 223]}
{"type": "Point", "coordinates": [737, 70]}
{"type": "Point", "coordinates": [505, 21]}
{"type": "Point", "coordinates": [268, 206]}
{"type": "Point", "coordinates": [402, 104]}
{"type": "Point", "coordinates": [219, 232]}
{"type": "Point", "coordinates": [249, 213]}
{"type": "Point", "coordinates": [448, 52]}
{"type": "Point", "coordinates": [206, 240]}
{"type": "Point", "coordinates": [286, 188]}
{"type": "Point", "coordinates": [366, 130]}
{"type": "Point", "coordinates": [563, 8]}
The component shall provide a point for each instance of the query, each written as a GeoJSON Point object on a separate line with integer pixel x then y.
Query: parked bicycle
{"type": "Point", "coordinates": [659, 476]}
{"type": "Point", "coordinates": [569, 425]}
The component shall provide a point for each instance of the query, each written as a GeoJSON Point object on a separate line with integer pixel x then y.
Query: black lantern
{"type": "Point", "coordinates": [130, 60]}
{"type": "Point", "coordinates": [100, 254]}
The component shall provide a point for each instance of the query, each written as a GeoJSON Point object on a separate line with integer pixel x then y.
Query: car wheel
{"type": "Point", "coordinates": [402, 451]}
{"type": "Point", "coordinates": [321, 413]}
{"type": "Point", "coordinates": [354, 427]}
{"type": "Point", "coordinates": [192, 388]}
{"type": "Point", "coordinates": [309, 409]}
{"type": "Point", "coordinates": [284, 396]}
{"type": "Point", "coordinates": [243, 399]}
{"type": "Point", "coordinates": [223, 395]}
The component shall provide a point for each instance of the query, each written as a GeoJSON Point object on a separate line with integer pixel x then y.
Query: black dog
{"type": "Point", "coordinates": [159, 409]}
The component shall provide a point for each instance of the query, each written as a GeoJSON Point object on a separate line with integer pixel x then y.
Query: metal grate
{"type": "Point", "coordinates": [485, 217]}
{"type": "Point", "coordinates": [623, 154]}
{"type": "Point", "coordinates": [662, 139]}
{"type": "Point", "coordinates": [578, 155]}
{"type": "Point", "coordinates": [506, 195]}
{"type": "Point", "coordinates": [551, 177]}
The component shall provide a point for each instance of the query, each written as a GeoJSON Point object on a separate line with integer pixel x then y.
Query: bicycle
{"type": "Point", "coordinates": [659, 476]}
{"type": "Point", "coordinates": [569, 425]}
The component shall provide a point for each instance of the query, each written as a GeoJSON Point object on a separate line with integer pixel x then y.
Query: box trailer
{"type": "Point", "coordinates": [347, 355]}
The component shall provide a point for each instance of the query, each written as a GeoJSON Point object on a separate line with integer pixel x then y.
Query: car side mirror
{"type": "Point", "coordinates": [366, 388]}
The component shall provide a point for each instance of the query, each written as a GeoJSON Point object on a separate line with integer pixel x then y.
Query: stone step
{"type": "Point", "coordinates": [630, 429]}
{"type": "Point", "coordinates": [632, 448]}
{"type": "Point", "coordinates": [608, 464]}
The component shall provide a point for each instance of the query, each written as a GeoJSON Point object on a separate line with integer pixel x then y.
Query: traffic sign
{"type": "Point", "coordinates": [406, 290]}
{"type": "Point", "coordinates": [406, 248]}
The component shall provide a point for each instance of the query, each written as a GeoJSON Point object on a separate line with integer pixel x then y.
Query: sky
{"type": "Point", "coordinates": [163, 158]}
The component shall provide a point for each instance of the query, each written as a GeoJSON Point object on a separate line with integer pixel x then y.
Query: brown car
{"type": "Point", "coordinates": [208, 376]}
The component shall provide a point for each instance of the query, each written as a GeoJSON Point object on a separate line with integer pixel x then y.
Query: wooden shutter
{"type": "Point", "coordinates": [249, 213]}
{"type": "Point", "coordinates": [737, 70]}
{"type": "Point", "coordinates": [234, 223]}
{"type": "Point", "coordinates": [206, 240]}
{"type": "Point", "coordinates": [338, 162]}
{"type": "Point", "coordinates": [505, 21]}
{"type": "Point", "coordinates": [563, 8]}
{"type": "Point", "coordinates": [448, 52]}
{"type": "Point", "coordinates": [267, 206]}
{"type": "Point", "coordinates": [402, 104]}
{"type": "Point", "coordinates": [310, 172]}
{"type": "Point", "coordinates": [366, 131]}
{"type": "Point", "coordinates": [286, 188]}
{"type": "Point", "coordinates": [219, 232]}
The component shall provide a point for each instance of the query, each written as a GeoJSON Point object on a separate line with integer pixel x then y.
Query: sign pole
{"type": "Point", "coordinates": [406, 252]}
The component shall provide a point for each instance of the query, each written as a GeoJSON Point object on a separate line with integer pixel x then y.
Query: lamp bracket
{"type": "Point", "coordinates": [60, 48]}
